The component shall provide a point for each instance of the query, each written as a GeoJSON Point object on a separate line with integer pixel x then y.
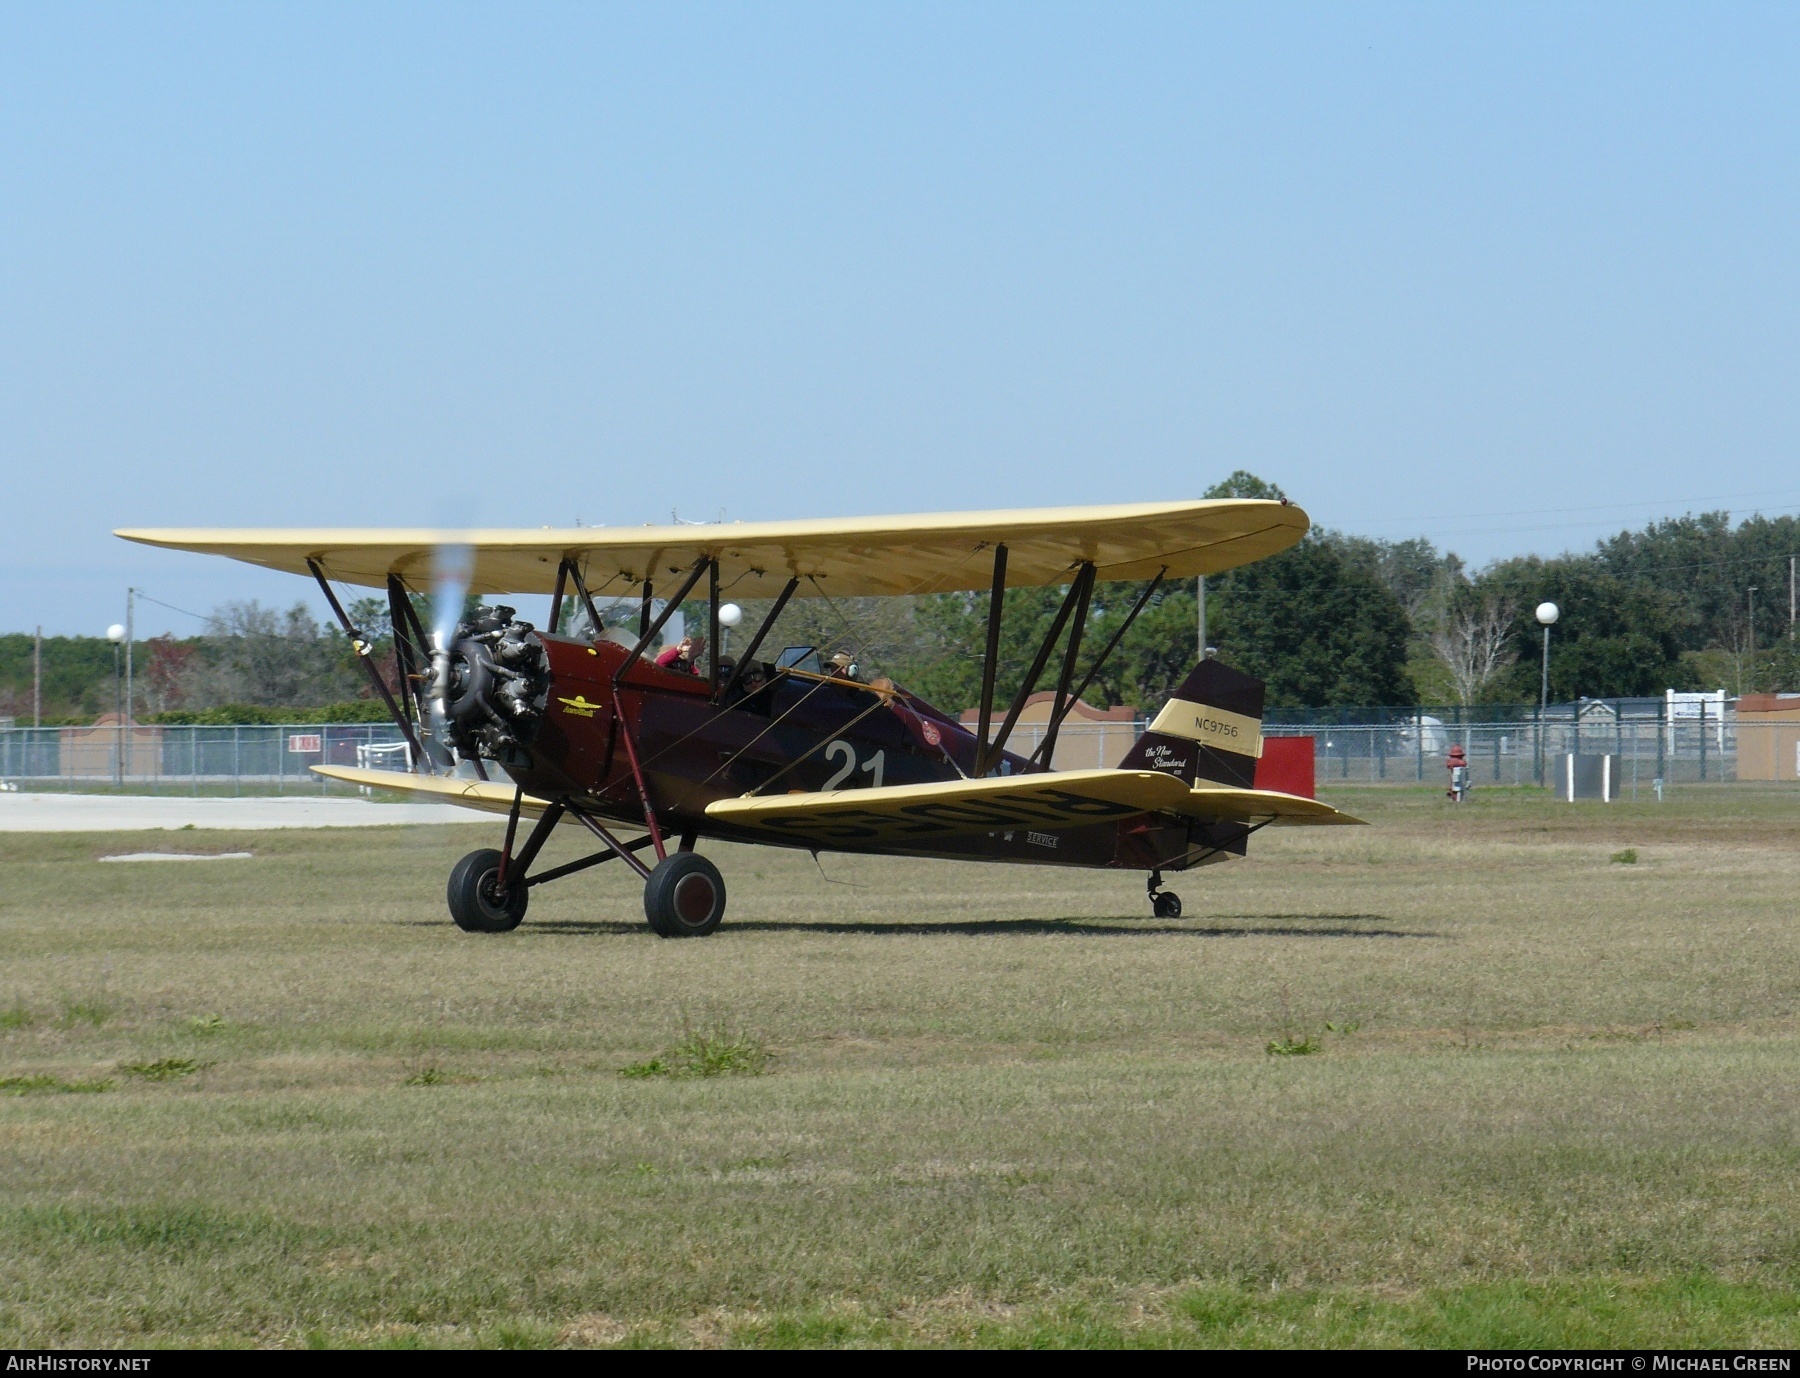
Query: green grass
{"type": "Point", "coordinates": [715, 1052]}
{"type": "Point", "coordinates": [42, 1082]}
{"type": "Point", "coordinates": [1547, 1099]}
{"type": "Point", "coordinates": [162, 1068]}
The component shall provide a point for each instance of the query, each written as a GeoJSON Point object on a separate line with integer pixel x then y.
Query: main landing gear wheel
{"type": "Point", "coordinates": [476, 902]}
{"type": "Point", "coordinates": [685, 896]}
{"type": "Point", "coordinates": [1165, 904]}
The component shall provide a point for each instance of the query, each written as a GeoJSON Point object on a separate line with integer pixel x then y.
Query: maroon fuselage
{"type": "Point", "coordinates": [693, 750]}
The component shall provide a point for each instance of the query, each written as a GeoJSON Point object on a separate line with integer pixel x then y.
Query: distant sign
{"type": "Point", "coordinates": [303, 743]}
{"type": "Point", "coordinates": [1700, 706]}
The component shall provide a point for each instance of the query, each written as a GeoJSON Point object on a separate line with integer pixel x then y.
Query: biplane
{"type": "Point", "coordinates": [581, 722]}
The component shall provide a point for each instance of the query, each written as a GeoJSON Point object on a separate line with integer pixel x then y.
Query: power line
{"type": "Point", "coordinates": [1602, 507]}
{"type": "Point", "coordinates": [172, 608]}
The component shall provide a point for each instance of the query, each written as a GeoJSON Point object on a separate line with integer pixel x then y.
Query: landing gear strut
{"type": "Point", "coordinates": [1165, 904]}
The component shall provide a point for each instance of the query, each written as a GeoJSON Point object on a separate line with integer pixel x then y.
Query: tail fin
{"type": "Point", "coordinates": [1210, 729]}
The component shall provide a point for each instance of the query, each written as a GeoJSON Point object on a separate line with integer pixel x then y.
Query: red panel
{"type": "Point", "coordinates": [1286, 765]}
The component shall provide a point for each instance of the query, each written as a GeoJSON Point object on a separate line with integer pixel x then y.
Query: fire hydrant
{"type": "Point", "coordinates": [1457, 763]}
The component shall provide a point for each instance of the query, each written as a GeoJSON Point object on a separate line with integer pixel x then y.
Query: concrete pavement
{"type": "Point", "coordinates": [105, 813]}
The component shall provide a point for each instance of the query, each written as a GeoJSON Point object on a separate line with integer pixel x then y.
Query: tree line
{"type": "Point", "coordinates": [1693, 602]}
{"type": "Point", "coordinates": [1342, 620]}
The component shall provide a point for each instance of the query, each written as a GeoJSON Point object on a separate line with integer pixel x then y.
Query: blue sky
{"type": "Point", "coordinates": [1509, 277]}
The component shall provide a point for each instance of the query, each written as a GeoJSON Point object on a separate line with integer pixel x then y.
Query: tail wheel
{"type": "Point", "coordinates": [1166, 904]}
{"type": "Point", "coordinates": [476, 901]}
{"type": "Point", "coordinates": [685, 896]}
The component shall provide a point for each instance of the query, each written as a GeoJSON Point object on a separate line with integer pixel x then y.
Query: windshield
{"type": "Point", "coordinates": [800, 658]}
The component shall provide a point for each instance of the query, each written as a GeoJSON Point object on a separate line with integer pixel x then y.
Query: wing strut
{"type": "Point", "coordinates": [362, 648]}
{"type": "Point", "coordinates": [1042, 754]}
{"type": "Point", "coordinates": [650, 629]}
{"type": "Point", "coordinates": [587, 599]}
{"type": "Point", "coordinates": [1070, 654]}
{"type": "Point", "coordinates": [409, 660]}
{"type": "Point", "coordinates": [712, 626]}
{"type": "Point", "coordinates": [556, 595]}
{"type": "Point", "coordinates": [1077, 594]}
{"type": "Point", "coordinates": [990, 661]}
{"type": "Point", "coordinates": [768, 625]}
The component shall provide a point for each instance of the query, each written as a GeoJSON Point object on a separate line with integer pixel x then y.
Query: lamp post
{"type": "Point", "coordinates": [1547, 613]}
{"type": "Point", "coordinates": [116, 635]}
{"type": "Point", "coordinates": [730, 614]}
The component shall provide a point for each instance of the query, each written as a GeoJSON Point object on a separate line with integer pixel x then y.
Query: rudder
{"type": "Point", "coordinates": [1210, 729]}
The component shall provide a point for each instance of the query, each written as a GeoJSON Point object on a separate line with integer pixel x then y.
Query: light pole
{"type": "Point", "coordinates": [729, 616]}
{"type": "Point", "coordinates": [1547, 613]}
{"type": "Point", "coordinates": [116, 635]}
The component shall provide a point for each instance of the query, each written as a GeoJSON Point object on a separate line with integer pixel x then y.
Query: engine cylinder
{"type": "Point", "coordinates": [496, 683]}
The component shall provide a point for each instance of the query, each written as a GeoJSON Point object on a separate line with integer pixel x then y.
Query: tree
{"type": "Point", "coordinates": [255, 655]}
{"type": "Point", "coordinates": [1322, 630]}
{"type": "Point", "coordinates": [1613, 640]}
{"type": "Point", "coordinates": [1474, 642]}
{"type": "Point", "coordinates": [1241, 483]}
{"type": "Point", "coordinates": [167, 675]}
{"type": "Point", "coordinates": [943, 662]}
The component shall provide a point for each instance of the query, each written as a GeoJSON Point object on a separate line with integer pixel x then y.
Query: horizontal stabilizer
{"type": "Point", "coordinates": [1047, 802]}
{"type": "Point", "coordinates": [442, 789]}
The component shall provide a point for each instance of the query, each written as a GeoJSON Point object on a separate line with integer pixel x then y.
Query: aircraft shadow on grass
{"type": "Point", "coordinates": [1258, 926]}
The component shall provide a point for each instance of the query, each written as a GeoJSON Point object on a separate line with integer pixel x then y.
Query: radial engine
{"type": "Point", "coordinates": [495, 683]}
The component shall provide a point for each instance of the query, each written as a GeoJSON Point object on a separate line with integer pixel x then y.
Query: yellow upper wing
{"type": "Point", "coordinates": [933, 553]}
{"type": "Point", "coordinates": [1059, 799]}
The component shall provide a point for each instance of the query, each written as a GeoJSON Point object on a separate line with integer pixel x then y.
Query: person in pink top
{"type": "Point", "coordinates": [684, 655]}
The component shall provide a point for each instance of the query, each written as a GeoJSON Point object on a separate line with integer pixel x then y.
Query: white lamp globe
{"type": "Point", "coordinates": [730, 615]}
{"type": "Point", "coordinates": [116, 633]}
{"type": "Point", "coordinates": [1547, 613]}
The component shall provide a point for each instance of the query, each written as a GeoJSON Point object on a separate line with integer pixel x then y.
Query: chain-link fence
{"type": "Point", "coordinates": [1520, 753]}
{"type": "Point", "coordinates": [1399, 750]}
{"type": "Point", "coordinates": [172, 759]}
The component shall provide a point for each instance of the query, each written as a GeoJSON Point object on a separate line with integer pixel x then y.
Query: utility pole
{"type": "Point", "coordinates": [1200, 594]}
{"type": "Point", "coordinates": [1750, 632]}
{"type": "Point", "coordinates": [1791, 597]}
{"type": "Point", "coordinates": [37, 678]}
{"type": "Point", "coordinates": [130, 631]}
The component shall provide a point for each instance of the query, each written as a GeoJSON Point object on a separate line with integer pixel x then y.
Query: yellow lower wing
{"type": "Point", "coordinates": [1058, 800]}
{"type": "Point", "coordinates": [443, 789]}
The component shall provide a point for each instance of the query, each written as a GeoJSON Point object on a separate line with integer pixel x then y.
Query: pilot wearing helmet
{"type": "Point", "coordinates": [843, 666]}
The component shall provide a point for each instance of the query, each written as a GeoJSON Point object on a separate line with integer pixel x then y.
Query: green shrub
{"type": "Point", "coordinates": [1290, 1046]}
{"type": "Point", "coordinates": [257, 715]}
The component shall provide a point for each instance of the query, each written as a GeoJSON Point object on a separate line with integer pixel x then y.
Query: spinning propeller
{"type": "Point", "coordinates": [452, 567]}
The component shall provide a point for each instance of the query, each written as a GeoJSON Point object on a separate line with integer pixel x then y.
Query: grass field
{"type": "Point", "coordinates": [1457, 1079]}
